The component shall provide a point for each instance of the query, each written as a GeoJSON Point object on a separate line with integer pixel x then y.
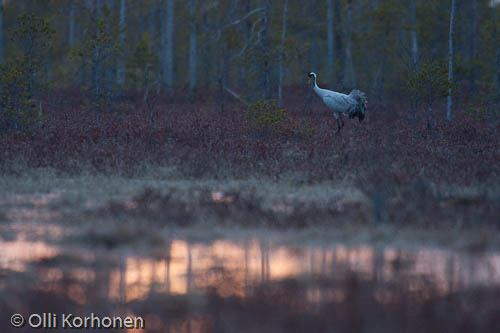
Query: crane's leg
{"type": "Point", "coordinates": [336, 115]}
{"type": "Point", "coordinates": [340, 121]}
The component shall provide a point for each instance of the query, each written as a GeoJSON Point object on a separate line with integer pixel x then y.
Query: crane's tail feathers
{"type": "Point", "coordinates": [361, 106]}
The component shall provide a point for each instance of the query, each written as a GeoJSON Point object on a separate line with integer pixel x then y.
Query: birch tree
{"type": "Point", "coordinates": [498, 78]}
{"type": "Point", "coordinates": [266, 70]}
{"type": "Point", "coordinates": [473, 43]}
{"type": "Point", "coordinates": [450, 58]}
{"type": "Point", "coordinates": [474, 29]}
{"type": "Point", "coordinates": [167, 34]}
{"type": "Point", "coordinates": [331, 43]}
{"type": "Point", "coordinates": [414, 59]}
{"type": "Point", "coordinates": [348, 67]}
{"type": "Point", "coordinates": [120, 73]}
{"type": "Point", "coordinates": [313, 34]}
{"type": "Point", "coordinates": [282, 55]}
{"type": "Point", "coordinates": [98, 9]}
{"type": "Point", "coordinates": [497, 39]}
{"type": "Point", "coordinates": [193, 61]}
{"type": "Point", "coordinates": [413, 35]}
{"type": "Point", "coordinates": [71, 30]}
{"type": "Point", "coordinates": [1, 32]}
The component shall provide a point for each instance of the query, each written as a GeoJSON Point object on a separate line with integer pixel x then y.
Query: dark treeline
{"type": "Point", "coordinates": [221, 87]}
{"type": "Point", "coordinates": [219, 90]}
{"type": "Point", "coordinates": [250, 48]}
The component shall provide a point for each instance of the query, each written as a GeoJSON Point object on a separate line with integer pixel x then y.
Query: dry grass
{"type": "Point", "coordinates": [112, 209]}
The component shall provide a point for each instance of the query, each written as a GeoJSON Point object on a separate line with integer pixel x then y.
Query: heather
{"type": "Point", "coordinates": [406, 171]}
{"type": "Point", "coordinates": [251, 165]}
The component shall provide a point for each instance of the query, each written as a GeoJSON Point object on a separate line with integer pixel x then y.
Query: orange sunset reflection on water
{"type": "Point", "coordinates": [125, 276]}
{"type": "Point", "coordinates": [232, 267]}
{"type": "Point", "coordinates": [195, 266]}
{"type": "Point", "coordinates": [161, 280]}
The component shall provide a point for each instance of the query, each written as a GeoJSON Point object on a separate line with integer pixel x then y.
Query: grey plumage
{"type": "Point", "coordinates": [352, 105]}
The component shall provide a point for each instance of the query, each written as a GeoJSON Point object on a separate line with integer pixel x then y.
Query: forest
{"type": "Point", "coordinates": [219, 90]}
{"type": "Point", "coordinates": [189, 139]}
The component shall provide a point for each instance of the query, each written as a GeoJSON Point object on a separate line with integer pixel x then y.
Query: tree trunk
{"type": "Point", "coordinates": [474, 29]}
{"type": "Point", "coordinates": [244, 70]}
{"type": "Point", "coordinates": [473, 43]}
{"type": "Point", "coordinates": [192, 49]}
{"type": "Point", "coordinates": [313, 37]}
{"type": "Point", "coordinates": [168, 45]}
{"type": "Point", "coordinates": [349, 80]}
{"type": "Point", "coordinates": [331, 43]}
{"type": "Point", "coordinates": [339, 41]}
{"type": "Point", "coordinates": [98, 9]}
{"type": "Point", "coordinates": [283, 38]}
{"type": "Point", "coordinates": [497, 115]}
{"type": "Point", "coordinates": [1, 32]}
{"type": "Point", "coordinates": [266, 70]}
{"type": "Point", "coordinates": [498, 80]}
{"type": "Point", "coordinates": [163, 37]}
{"type": "Point", "coordinates": [71, 32]}
{"type": "Point", "coordinates": [120, 73]}
{"type": "Point", "coordinates": [96, 70]}
{"type": "Point", "coordinates": [206, 49]}
{"type": "Point", "coordinates": [377, 87]}
{"type": "Point", "coordinates": [413, 35]}
{"type": "Point", "coordinates": [154, 20]}
{"type": "Point", "coordinates": [220, 95]}
{"type": "Point", "coordinates": [450, 58]}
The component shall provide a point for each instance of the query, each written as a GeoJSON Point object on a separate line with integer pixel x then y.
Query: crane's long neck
{"type": "Point", "coordinates": [315, 84]}
{"type": "Point", "coordinates": [317, 89]}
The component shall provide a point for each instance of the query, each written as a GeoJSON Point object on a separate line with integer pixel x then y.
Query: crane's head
{"type": "Point", "coordinates": [313, 76]}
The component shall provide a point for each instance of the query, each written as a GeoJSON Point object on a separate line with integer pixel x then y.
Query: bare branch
{"type": "Point", "coordinates": [256, 10]}
{"type": "Point", "coordinates": [237, 96]}
{"type": "Point", "coordinates": [248, 41]}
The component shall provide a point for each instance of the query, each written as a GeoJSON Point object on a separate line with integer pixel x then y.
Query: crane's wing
{"type": "Point", "coordinates": [338, 102]}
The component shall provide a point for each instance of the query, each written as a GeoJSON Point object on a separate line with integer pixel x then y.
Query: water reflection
{"type": "Point", "coordinates": [190, 267]}
{"type": "Point", "coordinates": [21, 245]}
{"type": "Point", "coordinates": [185, 267]}
{"type": "Point", "coordinates": [184, 279]}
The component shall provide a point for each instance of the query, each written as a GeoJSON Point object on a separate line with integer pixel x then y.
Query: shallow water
{"type": "Point", "coordinates": [84, 277]}
{"type": "Point", "coordinates": [255, 283]}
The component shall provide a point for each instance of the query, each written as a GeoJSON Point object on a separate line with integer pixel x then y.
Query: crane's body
{"type": "Point", "coordinates": [352, 105]}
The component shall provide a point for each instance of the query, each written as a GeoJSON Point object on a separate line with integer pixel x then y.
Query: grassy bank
{"type": "Point", "coordinates": [113, 210]}
{"type": "Point", "coordinates": [204, 167]}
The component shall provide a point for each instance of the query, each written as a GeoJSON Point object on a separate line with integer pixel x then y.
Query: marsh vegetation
{"type": "Point", "coordinates": [167, 159]}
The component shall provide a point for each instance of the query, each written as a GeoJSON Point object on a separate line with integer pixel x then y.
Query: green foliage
{"type": "Point", "coordinates": [18, 77]}
{"type": "Point", "coordinates": [266, 116]}
{"type": "Point", "coordinates": [303, 128]}
{"type": "Point", "coordinates": [34, 36]}
{"type": "Point", "coordinates": [429, 82]}
{"type": "Point", "coordinates": [142, 66]}
{"type": "Point", "coordinates": [230, 49]}
{"type": "Point", "coordinates": [384, 15]}
{"type": "Point", "coordinates": [475, 112]}
{"type": "Point", "coordinates": [16, 104]}
{"type": "Point", "coordinates": [98, 53]}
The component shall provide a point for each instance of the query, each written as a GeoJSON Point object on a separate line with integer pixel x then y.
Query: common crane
{"type": "Point", "coordinates": [353, 105]}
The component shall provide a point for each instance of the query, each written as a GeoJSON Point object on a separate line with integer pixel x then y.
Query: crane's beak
{"type": "Point", "coordinates": [311, 76]}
